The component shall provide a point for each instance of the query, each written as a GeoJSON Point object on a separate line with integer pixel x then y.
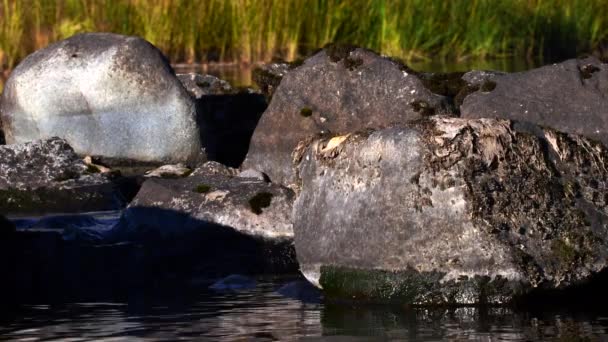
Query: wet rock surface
{"type": "Point", "coordinates": [569, 97]}
{"type": "Point", "coordinates": [47, 176]}
{"type": "Point", "coordinates": [108, 95]}
{"type": "Point", "coordinates": [336, 90]}
{"type": "Point", "coordinates": [451, 211]}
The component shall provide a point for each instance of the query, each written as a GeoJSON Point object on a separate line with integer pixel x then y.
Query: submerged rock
{"type": "Point", "coordinates": [46, 176]}
{"type": "Point", "coordinates": [234, 282]}
{"type": "Point", "coordinates": [451, 211]}
{"type": "Point", "coordinates": [569, 97]}
{"type": "Point", "coordinates": [108, 95]}
{"type": "Point", "coordinates": [336, 90]}
{"type": "Point", "coordinates": [301, 290]}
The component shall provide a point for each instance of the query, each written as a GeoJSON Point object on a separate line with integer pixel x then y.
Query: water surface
{"type": "Point", "coordinates": [262, 314]}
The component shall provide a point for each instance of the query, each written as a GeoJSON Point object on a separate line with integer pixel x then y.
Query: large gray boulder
{"type": "Point", "coordinates": [448, 210]}
{"type": "Point", "coordinates": [106, 94]}
{"type": "Point", "coordinates": [46, 176]}
{"type": "Point", "coordinates": [569, 96]}
{"type": "Point", "coordinates": [337, 90]}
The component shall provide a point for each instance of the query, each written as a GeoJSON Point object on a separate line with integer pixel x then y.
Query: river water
{"type": "Point", "coordinates": [269, 308]}
{"type": "Point", "coordinates": [261, 314]}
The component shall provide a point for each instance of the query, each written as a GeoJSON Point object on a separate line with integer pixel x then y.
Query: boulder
{"type": "Point", "coordinates": [569, 97]}
{"type": "Point", "coordinates": [106, 94]}
{"type": "Point", "coordinates": [47, 176]}
{"type": "Point", "coordinates": [339, 89]}
{"type": "Point", "coordinates": [199, 85]}
{"type": "Point", "coordinates": [212, 194]}
{"type": "Point", "coordinates": [451, 211]}
{"type": "Point", "coordinates": [247, 218]}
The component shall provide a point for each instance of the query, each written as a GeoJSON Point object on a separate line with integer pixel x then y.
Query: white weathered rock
{"type": "Point", "coordinates": [106, 94]}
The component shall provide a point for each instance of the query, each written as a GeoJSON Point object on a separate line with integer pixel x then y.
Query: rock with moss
{"type": "Point", "coordinates": [336, 90]}
{"type": "Point", "coordinates": [451, 211]}
{"type": "Point", "coordinates": [569, 97]}
{"type": "Point", "coordinates": [212, 194]}
{"type": "Point", "coordinates": [108, 95]}
{"type": "Point", "coordinates": [47, 176]}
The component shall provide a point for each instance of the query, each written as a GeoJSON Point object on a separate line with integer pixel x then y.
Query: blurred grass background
{"type": "Point", "coordinates": [259, 30]}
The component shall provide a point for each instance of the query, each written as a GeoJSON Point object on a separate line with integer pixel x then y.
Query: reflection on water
{"type": "Point", "coordinates": [262, 314]}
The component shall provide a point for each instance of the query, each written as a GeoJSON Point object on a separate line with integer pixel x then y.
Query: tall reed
{"type": "Point", "coordinates": [259, 30]}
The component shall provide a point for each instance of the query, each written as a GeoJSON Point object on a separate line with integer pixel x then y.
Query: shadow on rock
{"type": "Point", "coordinates": [41, 265]}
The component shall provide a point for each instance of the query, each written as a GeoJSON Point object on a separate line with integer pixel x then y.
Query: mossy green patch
{"type": "Point", "coordinates": [260, 201]}
{"type": "Point", "coordinates": [565, 253]}
{"type": "Point", "coordinates": [412, 287]}
{"type": "Point", "coordinates": [202, 188]}
{"type": "Point", "coordinates": [92, 169]}
{"type": "Point", "coordinates": [306, 112]}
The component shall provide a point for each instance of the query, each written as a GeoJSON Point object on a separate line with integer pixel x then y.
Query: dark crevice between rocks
{"type": "Point", "coordinates": [227, 123]}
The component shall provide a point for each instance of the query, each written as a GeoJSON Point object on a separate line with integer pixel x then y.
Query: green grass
{"type": "Point", "coordinates": [259, 30]}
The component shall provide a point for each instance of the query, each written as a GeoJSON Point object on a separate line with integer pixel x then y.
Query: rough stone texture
{"type": "Point", "coordinates": [47, 176]}
{"type": "Point", "coordinates": [451, 210]}
{"type": "Point", "coordinates": [199, 85]}
{"type": "Point", "coordinates": [107, 95]}
{"type": "Point", "coordinates": [211, 194]}
{"type": "Point", "coordinates": [336, 90]}
{"type": "Point", "coordinates": [169, 171]}
{"type": "Point", "coordinates": [269, 76]}
{"type": "Point", "coordinates": [570, 97]}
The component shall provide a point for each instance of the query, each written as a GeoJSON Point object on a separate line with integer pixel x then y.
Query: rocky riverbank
{"type": "Point", "coordinates": [377, 182]}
